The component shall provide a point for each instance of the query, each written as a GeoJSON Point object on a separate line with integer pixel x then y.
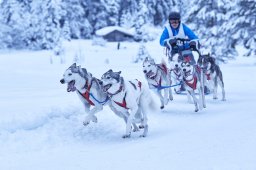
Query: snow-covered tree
{"type": "Point", "coordinates": [162, 10]}
{"type": "Point", "coordinates": [243, 25]}
{"type": "Point", "coordinates": [206, 19]}
{"type": "Point", "coordinates": [13, 17]}
{"type": "Point", "coordinates": [142, 54]}
{"type": "Point", "coordinates": [76, 18]}
{"type": "Point", "coordinates": [141, 21]}
{"type": "Point", "coordinates": [112, 8]}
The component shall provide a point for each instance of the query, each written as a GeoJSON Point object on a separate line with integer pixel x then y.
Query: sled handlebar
{"type": "Point", "coordinates": [183, 39]}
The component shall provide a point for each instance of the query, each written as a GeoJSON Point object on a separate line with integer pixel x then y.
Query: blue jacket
{"type": "Point", "coordinates": [188, 32]}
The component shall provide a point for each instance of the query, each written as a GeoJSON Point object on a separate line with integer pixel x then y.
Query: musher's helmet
{"type": "Point", "coordinates": [174, 16]}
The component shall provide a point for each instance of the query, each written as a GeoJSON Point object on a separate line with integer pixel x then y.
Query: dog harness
{"type": "Point", "coordinates": [192, 85]}
{"type": "Point", "coordinates": [208, 76]}
{"type": "Point", "coordinates": [158, 84]}
{"type": "Point", "coordinates": [123, 104]}
{"type": "Point", "coordinates": [139, 84]}
{"type": "Point", "coordinates": [86, 95]}
{"type": "Point", "coordinates": [177, 73]}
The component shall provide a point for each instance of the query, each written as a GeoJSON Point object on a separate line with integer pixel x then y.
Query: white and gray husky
{"type": "Point", "coordinates": [131, 98]}
{"type": "Point", "coordinates": [192, 82]}
{"type": "Point", "coordinates": [213, 74]}
{"type": "Point", "coordinates": [158, 77]}
{"type": "Point", "coordinates": [88, 89]}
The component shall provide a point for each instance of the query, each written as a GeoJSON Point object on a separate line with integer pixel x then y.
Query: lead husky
{"type": "Point", "coordinates": [213, 74]}
{"type": "Point", "coordinates": [90, 92]}
{"type": "Point", "coordinates": [131, 98]}
{"type": "Point", "coordinates": [158, 77]}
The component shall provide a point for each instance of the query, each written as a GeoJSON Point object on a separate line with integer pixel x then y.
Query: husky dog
{"type": "Point", "coordinates": [131, 98]}
{"type": "Point", "coordinates": [213, 74]}
{"type": "Point", "coordinates": [191, 81]}
{"type": "Point", "coordinates": [177, 73]}
{"type": "Point", "coordinates": [88, 89]}
{"type": "Point", "coordinates": [158, 77]}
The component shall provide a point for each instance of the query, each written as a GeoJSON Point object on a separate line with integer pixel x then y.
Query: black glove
{"type": "Point", "coordinates": [192, 45]}
{"type": "Point", "coordinates": [172, 42]}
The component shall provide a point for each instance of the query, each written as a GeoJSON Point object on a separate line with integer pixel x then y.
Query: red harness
{"type": "Point", "coordinates": [192, 85]}
{"type": "Point", "coordinates": [208, 76]}
{"type": "Point", "coordinates": [123, 104]}
{"type": "Point", "coordinates": [86, 95]}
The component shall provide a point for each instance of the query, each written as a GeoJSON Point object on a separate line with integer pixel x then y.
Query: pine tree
{"type": "Point", "coordinates": [244, 21]}
{"type": "Point", "coordinates": [77, 19]}
{"type": "Point", "coordinates": [112, 8]}
{"type": "Point", "coordinates": [141, 21]}
{"type": "Point", "coordinates": [206, 19]}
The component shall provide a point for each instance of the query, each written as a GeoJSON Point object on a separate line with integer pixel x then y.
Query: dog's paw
{"type": "Point", "coordinates": [136, 130]}
{"type": "Point", "coordinates": [94, 119]}
{"type": "Point", "coordinates": [126, 136]}
{"type": "Point", "coordinates": [196, 110]}
{"type": "Point", "coordinates": [143, 136]}
{"type": "Point", "coordinates": [141, 126]}
{"type": "Point", "coordinates": [171, 98]}
{"type": "Point", "coordinates": [85, 123]}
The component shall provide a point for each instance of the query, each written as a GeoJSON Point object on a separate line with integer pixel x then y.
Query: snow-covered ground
{"type": "Point", "coordinates": [41, 124]}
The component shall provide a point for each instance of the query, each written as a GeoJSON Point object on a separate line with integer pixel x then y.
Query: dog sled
{"type": "Point", "coordinates": [183, 53]}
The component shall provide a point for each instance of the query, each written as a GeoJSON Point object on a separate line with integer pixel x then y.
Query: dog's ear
{"type": "Point", "coordinates": [74, 68]}
{"type": "Point", "coordinates": [73, 65]}
{"type": "Point", "coordinates": [212, 60]}
{"type": "Point", "coordinates": [152, 60]}
{"type": "Point", "coordinates": [119, 72]}
{"type": "Point", "coordinates": [110, 71]}
{"type": "Point", "coordinates": [84, 71]}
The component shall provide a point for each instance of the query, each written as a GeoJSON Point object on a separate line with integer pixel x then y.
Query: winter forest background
{"type": "Point", "coordinates": [43, 24]}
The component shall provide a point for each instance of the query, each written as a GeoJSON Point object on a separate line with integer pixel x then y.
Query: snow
{"type": "Point", "coordinates": [41, 124]}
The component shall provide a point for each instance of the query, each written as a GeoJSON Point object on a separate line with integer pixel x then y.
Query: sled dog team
{"type": "Point", "coordinates": [131, 99]}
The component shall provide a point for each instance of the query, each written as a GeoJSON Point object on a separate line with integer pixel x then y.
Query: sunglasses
{"type": "Point", "coordinates": [174, 21]}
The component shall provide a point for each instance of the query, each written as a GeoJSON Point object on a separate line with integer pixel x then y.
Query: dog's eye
{"type": "Point", "coordinates": [69, 74]}
{"type": "Point", "coordinates": [107, 77]}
